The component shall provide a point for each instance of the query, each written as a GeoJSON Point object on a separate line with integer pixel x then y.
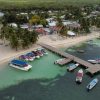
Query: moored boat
{"type": "Point", "coordinates": [36, 54]}
{"type": "Point", "coordinates": [59, 60]}
{"type": "Point", "coordinates": [72, 67]}
{"type": "Point", "coordinates": [79, 76]}
{"type": "Point", "coordinates": [43, 51]}
{"type": "Point", "coordinates": [23, 57]}
{"type": "Point", "coordinates": [18, 64]}
{"type": "Point", "coordinates": [94, 61]}
{"type": "Point", "coordinates": [30, 56]}
{"type": "Point", "coordinates": [92, 84]}
{"type": "Point", "coordinates": [39, 53]}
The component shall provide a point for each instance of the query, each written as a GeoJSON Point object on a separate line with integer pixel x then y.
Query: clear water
{"type": "Point", "coordinates": [47, 81]}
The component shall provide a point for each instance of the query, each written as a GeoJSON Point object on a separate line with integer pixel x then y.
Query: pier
{"type": "Point", "coordinates": [90, 68]}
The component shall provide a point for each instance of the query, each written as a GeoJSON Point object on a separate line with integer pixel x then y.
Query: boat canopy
{"type": "Point", "coordinates": [19, 62]}
{"type": "Point", "coordinates": [79, 74]}
{"type": "Point", "coordinates": [30, 54]}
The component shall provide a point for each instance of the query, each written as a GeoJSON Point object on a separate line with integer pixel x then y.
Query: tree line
{"type": "Point", "coordinates": [18, 37]}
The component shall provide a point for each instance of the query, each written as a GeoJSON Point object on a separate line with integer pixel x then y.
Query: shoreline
{"type": "Point", "coordinates": [17, 53]}
{"type": "Point", "coordinates": [47, 40]}
{"type": "Point", "coordinates": [69, 41]}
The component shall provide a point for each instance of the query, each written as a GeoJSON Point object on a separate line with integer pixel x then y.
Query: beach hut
{"type": "Point", "coordinates": [52, 24]}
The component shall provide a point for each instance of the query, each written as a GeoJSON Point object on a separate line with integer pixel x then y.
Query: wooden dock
{"type": "Point", "coordinates": [63, 61]}
{"type": "Point", "coordinates": [92, 69]}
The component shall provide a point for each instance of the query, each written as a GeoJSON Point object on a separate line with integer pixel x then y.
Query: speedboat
{"type": "Point", "coordinates": [31, 54]}
{"type": "Point", "coordinates": [79, 76]}
{"type": "Point", "coordinates": [92, 84]}
{"type": "Point", "coordinates": [23, 57]}
{"type": "Point", "coordinates": [36, 54]}
{"type": "Point", "coordinates": [72, 67]}
{"type": "Point", "coordinates": [39, 53]}
{"type": "Point", "coordinates": [57, 61]}
{"type": "Point", "coordinates": [94, 61]}
{"type": "Point", "coordinates": [43, 51]}
{"type": "Point", "coordinates": [18, 64]}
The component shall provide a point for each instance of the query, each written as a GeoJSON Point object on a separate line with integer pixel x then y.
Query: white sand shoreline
{"type": "Point", "coordinates": [16, 54]}
{"type": "Point", "coordinates": [69, 41]}
{"type": "Point", "coordinates": [8, 53]}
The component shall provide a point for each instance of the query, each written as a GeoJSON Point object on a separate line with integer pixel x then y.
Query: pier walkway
{"type": "Point", "coordinates": [92, 69]}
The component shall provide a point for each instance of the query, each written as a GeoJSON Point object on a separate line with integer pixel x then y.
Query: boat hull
{"type": "Point", "coordinates": [21, 68]}
{"type": "Point", "coordinates": [92, 84]}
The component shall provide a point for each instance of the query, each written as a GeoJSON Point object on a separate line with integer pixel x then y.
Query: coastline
{"type": "Point", "coordinates": [68, 42]}
{"type": "Point", "coordinates": [59, 43]}
{"type": "Point", "coordinates": [15, 54]}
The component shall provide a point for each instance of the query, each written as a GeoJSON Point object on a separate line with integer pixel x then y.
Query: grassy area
{"type": "Point", "coordinates": [44, 3]}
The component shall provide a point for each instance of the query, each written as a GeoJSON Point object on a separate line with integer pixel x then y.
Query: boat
{"type": "Point", "coordinates": [18, 64]}
{"type": "Point", "coordinates": [72, 67]}
{"type": "Point", "coordinates": [92, 84]}
{"type": "Point", "coordinates": [36, 54]}
{"type": "Point", "coordinates": [31, 54]}
{"type": "Point", "coordinates": [59, 60]}
{"type": "Point", "coordinates": [79, 76]}
{"type": "Point", "coordinates": [39, 53]}
{"type": "Point", "coordinates": [30, 58]}
{"type": "Point", "coordinates": [43, 51]}
{"type": "Point", "coordinates": [94, 61]}
{"type": "Point", "coordinates": [23, 57]}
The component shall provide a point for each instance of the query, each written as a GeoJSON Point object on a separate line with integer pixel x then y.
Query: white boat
{"type": "Point", "coordinates": [79, 76]}
{"type": "Point", "coordinates": [43, 51]}
{"type": "Point", "coordinates": [59, 60]}
{"type": "Point", "coordinates": [72, 67]}
{"type": "Point", "coordinates": [18, 64]}
{"type": "Point", "coordinates": [94, 61]}
{"type": "Point", "coordinates": [92, 84]}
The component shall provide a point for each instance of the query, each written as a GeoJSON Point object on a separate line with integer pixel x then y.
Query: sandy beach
{"type": "Point", "coordinates": [59, 42]}
{"type": "Point", "coordinates": [6, 53]}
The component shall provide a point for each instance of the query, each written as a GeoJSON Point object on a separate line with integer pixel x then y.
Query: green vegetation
{"type": "Point", "coordinates": [6, 4]}
{"type": "Point", "coordinates": [17, 37]}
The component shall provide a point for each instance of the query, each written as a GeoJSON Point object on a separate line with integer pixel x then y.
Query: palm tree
{"type": "Point", "coordinates": [14, 41]}
{"type": "Point", "coordinates": [63, 31]}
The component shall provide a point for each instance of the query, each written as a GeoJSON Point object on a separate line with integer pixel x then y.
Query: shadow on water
{"type": "Point", "coordinates": [60, 88]}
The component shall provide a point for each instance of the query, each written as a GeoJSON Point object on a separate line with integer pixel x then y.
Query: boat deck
{"type": "Point", "coordinates": [64, 61]}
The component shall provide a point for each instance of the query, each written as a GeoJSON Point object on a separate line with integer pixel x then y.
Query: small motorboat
{"type": "Point", "coordinates": [30, 55]}
{"type": "Point", "coordinates": [43, 51]}
{"type": "Point", "coordinates": [92, 84]}
{"type": "Point", "coordinates": [39, 53]}
{"type": "Point", "coordinates": [94, 61]}
{"type": "Point", "coordinates": [79, 76]}
{"type": "Point", "coordinates": [72, 67]}
{"type": "Point", "coordinates": [19, 64]}
{"type": "Point", "coordinates": [36, 54]}
{"type": "Point", "coordinates": [23, 57]}
{"type": "Point", "coordinates": [59, 60]}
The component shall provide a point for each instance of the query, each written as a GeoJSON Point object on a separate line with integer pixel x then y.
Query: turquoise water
{"type": "Point", "coordinates": [47, 81]}
{"type": "Point", "coordinates": [43, 68]}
